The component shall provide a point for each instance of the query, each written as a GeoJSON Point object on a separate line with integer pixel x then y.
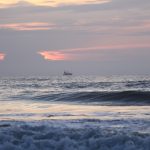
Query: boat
{"type": "Point", "coordinates": [66, 73]}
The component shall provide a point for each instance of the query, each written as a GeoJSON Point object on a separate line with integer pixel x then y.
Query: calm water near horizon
{"type": "Point", "coordinates": [75, 112]}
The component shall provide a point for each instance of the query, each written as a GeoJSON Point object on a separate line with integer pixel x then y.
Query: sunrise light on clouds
{"type": "Point", "coordinates": [53, 3]}
{"type": "Point", "coordinates": [28, 26]}
{"type": "Point", "coordinates": [65, 2]}
{"type": "Point", "coordinates": [72, 31]}
{"type": "Point", "coordinates": [7, 3]}
{"type": "Point", "coordinates": [91, 52]}
{"type": "Point", "coordinates": [2, 56]}
{"type": "Point", "coordinates": [53, 55]}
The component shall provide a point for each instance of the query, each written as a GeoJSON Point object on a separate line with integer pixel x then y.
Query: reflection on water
{"type": "Point", "coordinates": [26, 110]}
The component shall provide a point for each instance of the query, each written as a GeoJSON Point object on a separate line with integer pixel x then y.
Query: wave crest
{"type": "Point", "coordinates": [124, 97]}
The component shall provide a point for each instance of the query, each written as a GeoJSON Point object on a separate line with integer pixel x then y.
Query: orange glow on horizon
{"type": "Point", "coordinates": [2, 56]}
{"type": "Point", "coordinates": [53, 55]}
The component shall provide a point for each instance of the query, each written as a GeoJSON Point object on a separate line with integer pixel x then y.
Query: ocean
{"type": "Point", "coordinates": [75, 113]}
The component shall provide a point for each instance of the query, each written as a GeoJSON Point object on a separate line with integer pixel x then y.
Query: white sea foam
{"type": "Point", "coordinates": [70, 135]}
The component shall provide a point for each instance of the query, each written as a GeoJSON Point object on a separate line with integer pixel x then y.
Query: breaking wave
{"type": "Point", "coordinates": [115, 97]}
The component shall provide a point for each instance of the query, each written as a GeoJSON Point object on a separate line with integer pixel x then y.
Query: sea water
{"type": "Point", "coordinates": [75, 113]}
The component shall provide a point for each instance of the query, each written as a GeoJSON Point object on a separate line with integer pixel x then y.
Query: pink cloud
{"type": "Point", "coordinates": [53, 55]}
{"type": "Point", "coordinates": [108, 47]}
{"type": "Point", "coordinates": [28, 26]}
{"type": "Point", "coordinates": [143, 26]}
{"type": "Point", "coordinates": [146, 23]}
{"type": "Point", "coordinates": [93, 53]}
{"type": "Point", "coordinates": [2, 56]}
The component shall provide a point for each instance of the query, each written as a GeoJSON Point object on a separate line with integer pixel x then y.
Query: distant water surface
{"type": "Point", "coordinates": [114, 90]}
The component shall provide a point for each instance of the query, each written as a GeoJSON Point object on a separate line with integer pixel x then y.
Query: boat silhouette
{"type": "Point", "coordinates": [66, 73]}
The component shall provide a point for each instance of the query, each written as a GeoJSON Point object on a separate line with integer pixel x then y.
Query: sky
{"type": "Point", "coordinates": [86, 37]}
